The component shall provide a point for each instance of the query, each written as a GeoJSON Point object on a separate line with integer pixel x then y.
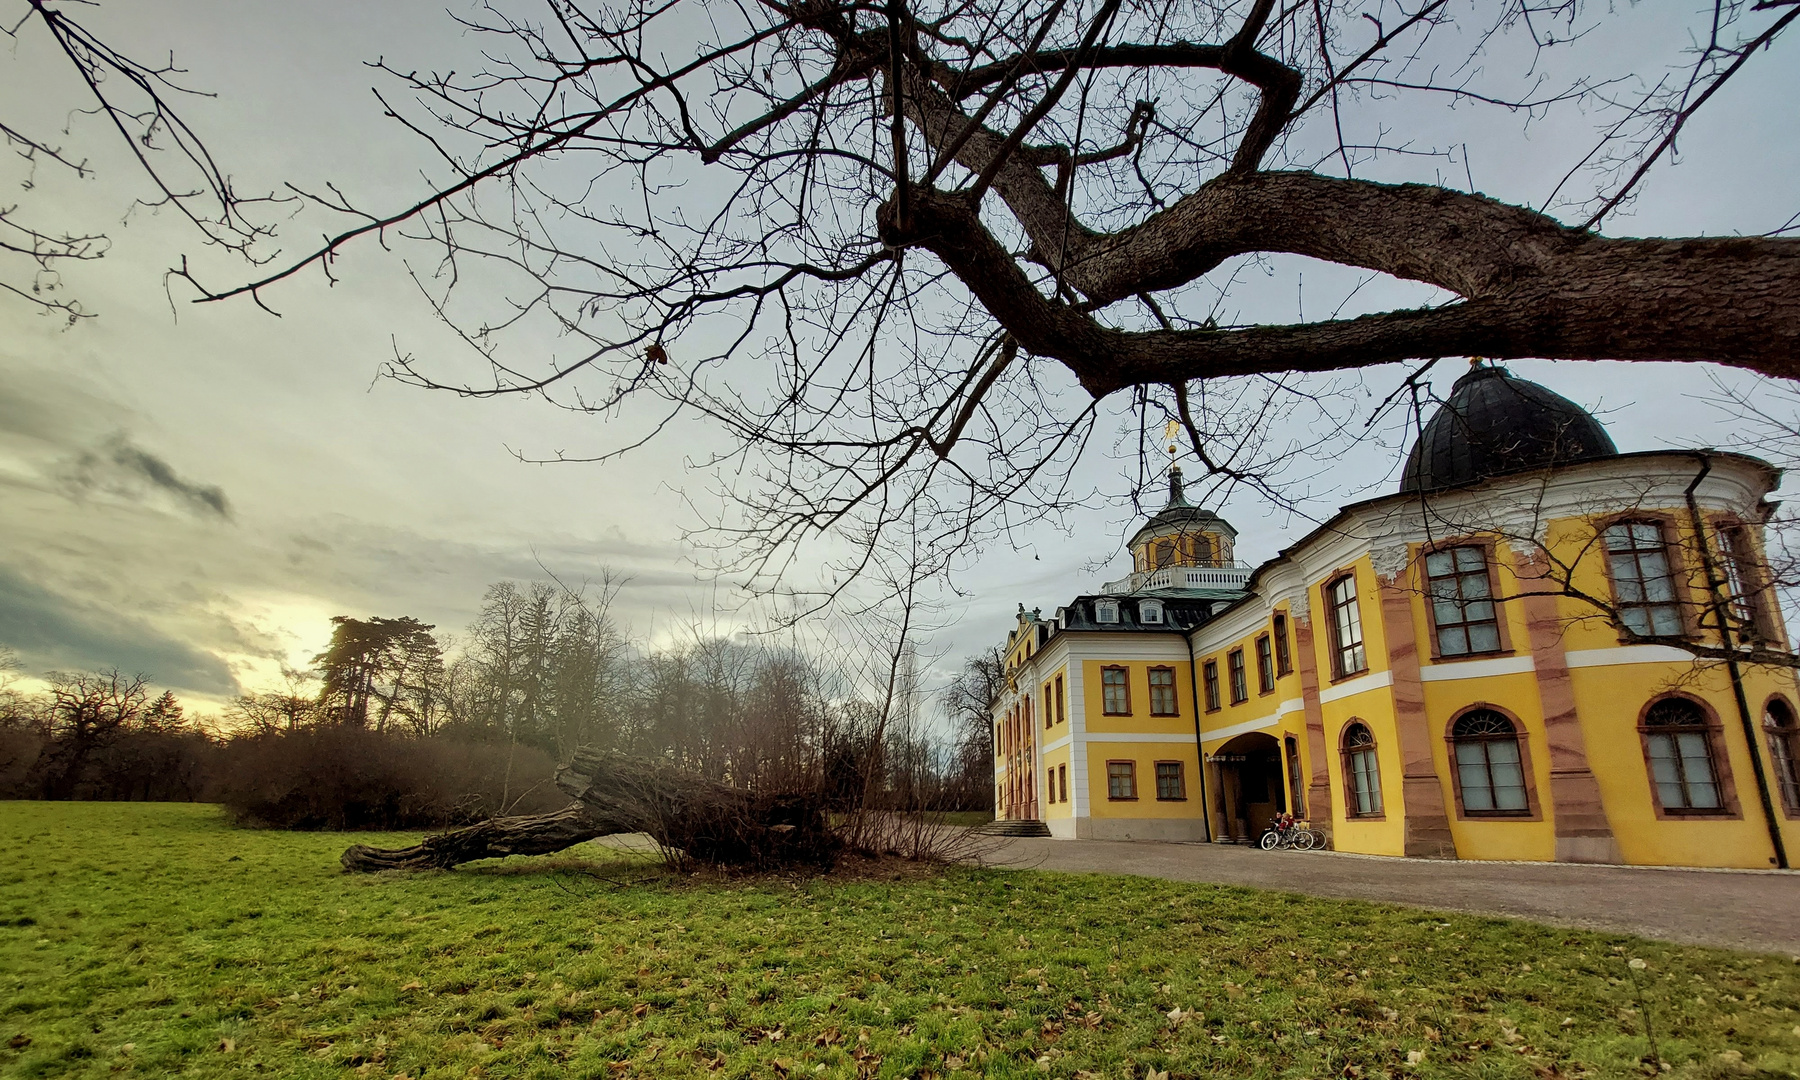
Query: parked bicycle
{"type": "Point", "coordinates": [1287, 831]}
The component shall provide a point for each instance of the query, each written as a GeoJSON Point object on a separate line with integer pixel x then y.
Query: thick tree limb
{"type": "Point", "coordinates": [1280, 86]}
{"type": "Point", "coordinates": [1179, 54]}
{"type": "Point", "coordinates": [1538, 290]}
{"type": "Point", "coordinates": [494, 838]}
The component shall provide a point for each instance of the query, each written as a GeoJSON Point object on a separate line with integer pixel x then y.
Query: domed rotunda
{"type": "Point", "coordinates": [1495, 423]}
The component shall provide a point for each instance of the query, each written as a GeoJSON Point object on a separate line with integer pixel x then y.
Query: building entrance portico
{"type": "Point", "coordinates": [1247, 773]}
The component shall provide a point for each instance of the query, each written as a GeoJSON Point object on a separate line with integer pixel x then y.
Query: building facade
{"type": "Point", "coordinates": [1487, 664]}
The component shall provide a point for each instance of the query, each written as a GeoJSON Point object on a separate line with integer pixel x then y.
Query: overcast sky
{"type": "Point", "coordinates": [194, 493]}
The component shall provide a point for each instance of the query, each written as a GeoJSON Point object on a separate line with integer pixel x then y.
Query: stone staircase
{"type": "Point", "coordinates": [1015, 828]}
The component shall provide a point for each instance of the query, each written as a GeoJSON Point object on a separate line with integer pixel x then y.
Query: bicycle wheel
{"type": "Point", "coordinates": [1306, 840]}
{"type": "Point", "coordinates": [1270, 840]}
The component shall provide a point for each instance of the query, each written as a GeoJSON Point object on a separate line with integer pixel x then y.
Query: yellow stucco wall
{"type": "Point", "coordinates": [1045, 719]}
{"type": "Point", "coordinates": [1139, 719]}
{"type": "Point", "coordinates": [1145, 755]}
{"type": "Point", "coordinates": [1610, 700]}
{"type": "Point", "coordinates": [1259, 704]}
{"type": "Point", "coordinates": [1052, 759]}
{"type": "Point", "coordinates": [1517, 696]}
{"type": "Point", "coordinates": [1384, 835]}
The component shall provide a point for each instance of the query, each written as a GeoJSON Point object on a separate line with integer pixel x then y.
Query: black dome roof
{"type": "Point", "coordinates": [1495, 423]}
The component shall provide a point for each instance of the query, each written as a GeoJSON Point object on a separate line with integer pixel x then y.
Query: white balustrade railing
{"type": "Point", "coordinates": [1182, 577]}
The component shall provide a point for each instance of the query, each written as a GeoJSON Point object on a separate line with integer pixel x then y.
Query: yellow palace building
{"type": "Point", "coordinates": [1498, 661]}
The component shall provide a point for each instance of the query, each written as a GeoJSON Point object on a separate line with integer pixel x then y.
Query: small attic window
{"type": "Point", "coordinates": [1062, 618]}
{"type": "Point", "coordinates": [1150, 612]}
{"type": "Point", "coordinates": [1106, 611]}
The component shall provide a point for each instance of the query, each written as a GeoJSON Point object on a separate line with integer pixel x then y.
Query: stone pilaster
{"type": "Point", "coordinates": [1583, 833]}
{"type": "Point", "coordinates": [1427, 824]}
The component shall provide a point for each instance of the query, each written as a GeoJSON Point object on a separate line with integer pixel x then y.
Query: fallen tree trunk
{"type": "Point", "coordinates": [701, 819]}
{"type": "Point", "coordinates": [690, 817]}
{"type": "Point", "coordinates": [495, 838]}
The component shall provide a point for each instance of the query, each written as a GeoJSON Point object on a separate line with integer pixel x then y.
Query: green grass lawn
{"type": "Point", "coordinates": [144, 939]}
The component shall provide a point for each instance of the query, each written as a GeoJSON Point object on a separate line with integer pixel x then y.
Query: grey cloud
{"type": "Point", "coordinates": [49, 630]}
{"type": "Point", "coordinates": [119, 467]}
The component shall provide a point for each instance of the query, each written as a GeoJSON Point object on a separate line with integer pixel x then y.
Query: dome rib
{"type": "Point", "coordinates": [1495, 423]}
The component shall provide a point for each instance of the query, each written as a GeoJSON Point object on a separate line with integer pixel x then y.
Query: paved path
{"type": "Point", "coordinates": [1755, 910]}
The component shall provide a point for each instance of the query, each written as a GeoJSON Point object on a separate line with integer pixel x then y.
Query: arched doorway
{"type": "Point", "coordinates": [1251, 790]}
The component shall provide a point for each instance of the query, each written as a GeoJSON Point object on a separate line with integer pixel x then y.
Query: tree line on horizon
{"type": "Point", "coordinates": [541, 670]}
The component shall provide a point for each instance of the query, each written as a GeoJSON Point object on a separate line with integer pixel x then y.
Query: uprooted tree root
{"type": "Point", "coordinates": [692, 820]}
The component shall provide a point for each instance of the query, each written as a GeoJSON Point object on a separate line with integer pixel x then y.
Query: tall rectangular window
{"type": "Point", "coordinates": [1061, 715]}
{"type": "Point", "coordinates": [1049, 714]}
{"type": "Point", "coordinates": [1347, 656]}
{"type": "Point", "coordinates": [1115, 692]}
{"type": "Point", "coordinates": [1169, 785]}
{"type": "Point", "coordinates": [1265, 665]}
{"type": "Point", "coordinates": [1162, 692]}
{"type": "Point", "coordinates": [1050, 785]}
{"type": "Point", "coordinates": [1462, 601]}
{"type": "Point", "coordinates": [1284, 654]}
{"type": "Point", "coordinates": [1643, 586]}
{"type": "Point", "coordinates": [1240, 688]}
{"type": "Point", "coordinates": [1210, 675]}
{"type": "Point", "coordinates": [1296, 784]}
{"type": "Point", "coordinates": [1121, 779]}
{"type": "Point", "coordinates": [1062, 782]}
{"type": "Point", "coordinates": [1742, 583]}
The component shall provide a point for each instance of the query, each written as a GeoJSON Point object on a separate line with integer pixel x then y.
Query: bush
{"type": "Point", "coordinates": [343, 778]}
{"type": "Point", "coordinates": [20, 749]}
{"type": "Point", "coordinates": [132, 766]}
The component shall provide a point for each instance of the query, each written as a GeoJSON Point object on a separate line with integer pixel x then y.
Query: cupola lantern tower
{"type": "Point", "coordinates": [1181, 534]}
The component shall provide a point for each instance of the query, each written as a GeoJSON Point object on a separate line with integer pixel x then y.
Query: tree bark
{"type": "Point", "coordinates": [1534, 290]}
{"type": "Point", "coordinates": [697, 818]}
{"type": "Point", "coordinates": [494, 838]}
{"type": "Point", "coordinates": [706, 820]}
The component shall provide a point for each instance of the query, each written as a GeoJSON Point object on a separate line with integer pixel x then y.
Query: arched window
{"type": "Point", "coordinates": [1778, 726]}
{"type": "Point", "coordinates": [1488, 766]}
{"type": "Point", "coordinates": [1679, 743]}
{"type": "Point", "coordinates": [1362, 773]}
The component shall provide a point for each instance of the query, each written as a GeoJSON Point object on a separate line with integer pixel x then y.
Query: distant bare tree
{"type": "Point", "coordinates": [292, 708]}
{"type": "Point", "coordinates": [88, 710]}
{"type": "Point", "coordinates": [969, 700]}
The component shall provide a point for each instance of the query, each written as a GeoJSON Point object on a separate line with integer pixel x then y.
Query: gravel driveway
{"type": "Point", "coordinates": [1757, 910]}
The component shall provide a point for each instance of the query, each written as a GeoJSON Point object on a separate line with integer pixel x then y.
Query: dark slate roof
{"type": "Point", "coordinates": [1496, 423]}
{"type": "Point", "coordinates": [1180, 513]}
{"type": "Point", "coordinates": [1179, 615]}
